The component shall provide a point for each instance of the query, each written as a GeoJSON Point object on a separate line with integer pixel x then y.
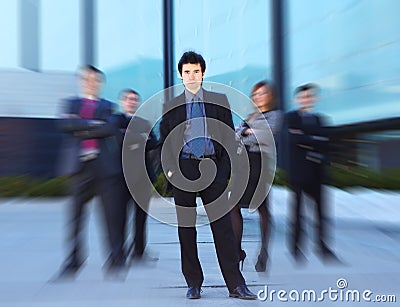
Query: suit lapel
{"type": "Point", "coordinates": [99, 109]}
{"type": "Point", "coordinates": [180, 109]}
{"type": "Point", "coordinates": [299, 121]}
{"type": "Point", "coordinates": [76, 106]}
{"type": "Point", "coordinates": [211, 110]}
{"type": "Point", "coordinates": [126, 120]}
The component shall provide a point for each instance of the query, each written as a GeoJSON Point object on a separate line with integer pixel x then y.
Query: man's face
{"type": "Point", "coordinates": [262, 97]}
{"type": "Point", "coordinates": [91, 83]}
{"type": "Point", "coordinates": [306, 99]}
{"type": "Point", "coordinates": [192, 76]}
{"type": "Point", "coordinates": [130, 102]}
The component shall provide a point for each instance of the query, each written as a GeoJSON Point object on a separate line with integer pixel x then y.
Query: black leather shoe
{"type": "Point", "coordinates": [299, 257]}
{"type": "Point", "coordinates": [68, 272]}
{"type": "Point", "coordinates": [329, 256]}
{"type": "Point", "coordinates": [116, 273]}
{"type": "Point", "coordinates": [193, 293]}
{"type": "Point", "coordinates": [142, 257]}
{"type": "Point", "coordinates": [243, 293]}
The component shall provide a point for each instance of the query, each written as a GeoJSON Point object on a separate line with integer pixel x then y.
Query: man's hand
{"type": "Point", "coordinates": [296, 131]}
{"type": "Point", "coordinates": [67, 115]}
{"type": "Point", "coordinates": [248, 131]}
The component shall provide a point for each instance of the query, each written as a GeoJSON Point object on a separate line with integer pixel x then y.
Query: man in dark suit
{"type": "Point", "coordinates": [196, 131]}
{"type": "Point", "coordinates": [139, 140]}
{"type": "Point", "coordinates": [307, 154]}
{"type": "Point", "coordinates": [90, 160]}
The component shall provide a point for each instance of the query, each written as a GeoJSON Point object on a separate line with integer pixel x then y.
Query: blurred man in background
{"type": "Point", "coordinates": [139, 140]}
{"type": "Point", "coordinates": [90, 160]}
{"type": "Point", "coordinates": [307, 155]}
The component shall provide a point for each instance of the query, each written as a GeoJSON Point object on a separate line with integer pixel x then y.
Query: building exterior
{"type": "Point", "coordinates": [350, 48]}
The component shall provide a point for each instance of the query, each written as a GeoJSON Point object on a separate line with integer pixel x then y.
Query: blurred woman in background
{"type": "Point", "coordinates": [259, 143]}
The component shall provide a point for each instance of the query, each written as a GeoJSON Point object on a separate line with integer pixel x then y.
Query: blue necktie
{"type": "Point", "coordinates": [197, 143]}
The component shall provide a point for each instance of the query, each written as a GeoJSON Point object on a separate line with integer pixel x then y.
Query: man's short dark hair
{"type": "Point", "coordinates": [126, 91]}
{"type": "Point", "coordinates": [89, 67]}
{"type": "Point", "coordinates": [305, 87]}
{"type": "Point", "coordinates": [191, 57]}
{"type": "Point", "coordinates": [265, 83]}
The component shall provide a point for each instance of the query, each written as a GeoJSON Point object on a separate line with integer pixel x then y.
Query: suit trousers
{"type": "Point", "coordinates": [138, 205]}
{"type": "Point", "coordinates": [87, 183]}
{"type": "Point", "coordinates": [314, 191]}
{"type": "Point", "coordinates": [221, 228]}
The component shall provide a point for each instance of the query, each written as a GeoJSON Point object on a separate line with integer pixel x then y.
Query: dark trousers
{"type": "Point", "coordinates": [254, 196]}
{"type": "Point", "coordinates": [256, 190]}
{"type": "Point", "coordinates": [314, 191]}
{"type": "Point", "coordinates": [87, 183]}
{"type": "Point", "coordinates": [139, 205]}
{"type": "Point", "coordinates": [221, 227]}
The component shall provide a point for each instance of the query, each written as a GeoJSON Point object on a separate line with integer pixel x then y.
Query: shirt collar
{"type": "Point", "coordinates": [305, 113]}
{"type": "Point", "coordinates": [90, 98]}
{"type": "Point", "coordinates": [189, 95]}
{"type": "Point", "coordinates": [128, 115]}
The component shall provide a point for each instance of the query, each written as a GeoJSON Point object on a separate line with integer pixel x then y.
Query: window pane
{"type": "Point", "coordinates": [350, 48]}
{"type": "Point", "coordinates": [9, 23]}
{"type": "Point", "coordinates": [234, 39]}
{"type": "Point", "coordinates": [129, 47]}
{"type": "Point", "coordinates": [60, 35]}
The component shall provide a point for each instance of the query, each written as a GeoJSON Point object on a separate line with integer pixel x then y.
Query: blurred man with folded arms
{"type": "Point", "coordinates": [91, 163]}
{"type": "Point", "coordinates": [307, 156]}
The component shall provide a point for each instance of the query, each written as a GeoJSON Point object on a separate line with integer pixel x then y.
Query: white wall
{"type": "Point", "coordinates": [32, 94]}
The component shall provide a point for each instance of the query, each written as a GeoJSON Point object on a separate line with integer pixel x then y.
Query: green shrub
{"type": "Point", "coordinates": [13, 186]}
{"type": "Point", "coordinates": [338, 176]}
{"type": "Point", "coordinates": [160, 186]}
{"type": "Point", "coordinates": [280, 177]}
{"type": "Point", "coordinates": [344, 177]}
{"type": "Point", "coordinates": [53, 187]}
{"type": "Point", "coordinates": [26, 186]}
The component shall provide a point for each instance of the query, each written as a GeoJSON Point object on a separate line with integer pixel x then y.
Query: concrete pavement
{"type": "Point", "coordinates": [365, 234]}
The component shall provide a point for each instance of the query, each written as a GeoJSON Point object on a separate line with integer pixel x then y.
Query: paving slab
{"type": "Point", "coordinates": [365, 234]}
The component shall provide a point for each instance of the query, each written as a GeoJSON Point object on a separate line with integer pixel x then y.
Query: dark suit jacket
{"type": "Point", "coordinates": [307, 152]}
{"type": "Point", "coordinates": [77, 129]}
{"type": "Point", "coordinates": [139, 140]}
{"type": "Point", "coordinates": [216, 107]}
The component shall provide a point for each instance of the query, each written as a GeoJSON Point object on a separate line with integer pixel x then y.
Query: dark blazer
{"type": "Point", "coordinates": [78, 129]}
{"type": "Point", "coordinates": [307, 152]}
{"type": "Point", "coordinates": [139, 140]}
{"type": "Point", "coordinates": [216, 107]}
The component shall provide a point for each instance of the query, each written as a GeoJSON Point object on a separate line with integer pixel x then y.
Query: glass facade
{"type": "Point", "coordinates": [9, 34]}
{"type": "Point", "coordinates": [129, 46]}
{"type": "Point", "coordinates": [235, 41]}
{"type": "Point", "coordinates": [350, 48]}
{"type": "Point", "coordinates": [60, 43]}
